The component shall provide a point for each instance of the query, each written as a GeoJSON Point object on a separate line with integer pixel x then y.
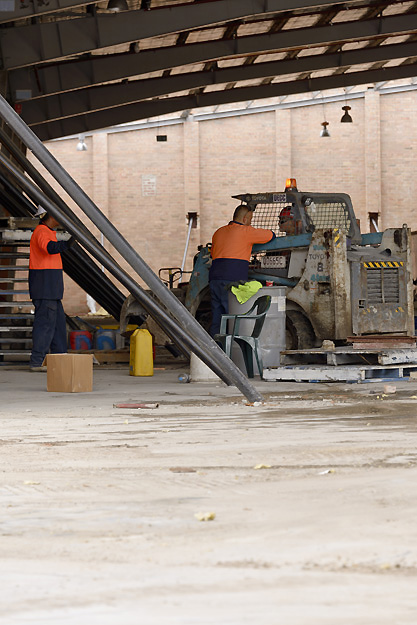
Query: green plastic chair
{"type": "Point", "coordinates": [248, 344]}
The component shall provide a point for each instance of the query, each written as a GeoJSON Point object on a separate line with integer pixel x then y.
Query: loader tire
{"type": "Point", "coordinates": [299, 331]}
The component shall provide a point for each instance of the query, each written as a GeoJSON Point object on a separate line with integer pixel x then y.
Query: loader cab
{"type": "Point", "coordinates": [311, 210]}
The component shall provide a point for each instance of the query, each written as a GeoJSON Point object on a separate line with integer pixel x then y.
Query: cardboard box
{"type": "Point", "coordinates": [69, 373]}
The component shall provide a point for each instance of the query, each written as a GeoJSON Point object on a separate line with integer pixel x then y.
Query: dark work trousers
{"type": "Point", "coordinates": [219, 303]}
{"type": "Point", "coordinates": [49, 330]}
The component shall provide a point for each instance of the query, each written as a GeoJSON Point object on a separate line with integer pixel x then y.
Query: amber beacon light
{"type": "Point", "coordinates": [291, 184]}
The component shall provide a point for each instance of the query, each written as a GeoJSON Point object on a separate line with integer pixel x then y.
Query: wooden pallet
{"type": "Point", "coordinates": [105, 356]}
{"type": "Point", "coordinates": [347, 373]}
{"type": "Point", "coordinates": [349, 356]}
{"type": "Point", "coordinates": [382, 341]}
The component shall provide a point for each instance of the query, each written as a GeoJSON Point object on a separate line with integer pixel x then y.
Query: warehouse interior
{"type": "Point", "coordinates": [193, 493]}
{"type": "Point", "coordinates": [72, 69]}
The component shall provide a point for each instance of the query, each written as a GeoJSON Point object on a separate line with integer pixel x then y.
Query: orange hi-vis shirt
{"type": "Point", "coordinates": [40, 258]}
{"type": "Point", "coordinates": [231, 250]}
{"type": "Point", "coordinates": [45, 264]}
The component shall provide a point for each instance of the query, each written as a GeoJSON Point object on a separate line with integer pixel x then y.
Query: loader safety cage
{"type": "Point", "coordinates": [314, 210]}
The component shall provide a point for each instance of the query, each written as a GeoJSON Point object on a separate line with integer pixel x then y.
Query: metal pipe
{"type": "Point", "coordinates": [214, 354]}
{"type": "Point", "coordinates": [115, 269]}
{"type": "Point", "coordinates": [112, 305]}
{"type": "Point", "coordinates": [170, 326]}
{"type": "Point", "coordinates": [51, 193]}
{"type": "Point", "coordinates": [108, 295]}
{"type": "Point", "coordinates": [85, 274]}
{"type": "Point", "coordinates": [84, 279]}
{"type": "Point", "coordinates": [77, 264]}
{"type": "Point", "coordinates": [40, 180]}
{"type": "Point", "coordinates": [190, 225]}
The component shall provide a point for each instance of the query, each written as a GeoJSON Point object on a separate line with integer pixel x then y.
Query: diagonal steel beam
{"type": "Point", "coordinates": [24, 10]}
{"type": "Point", "coordinates": [73, 75]}
{"type": "Point", "coordinates": [193, 334]}
{"type": "Point", "coordinates": [36, 9]}
{"type": "Point", "coordinates": [152, 108]}
{"type": "Point", "coordinates": [109, 96]}
{"type": "Point", "coordinates": [37, 43]}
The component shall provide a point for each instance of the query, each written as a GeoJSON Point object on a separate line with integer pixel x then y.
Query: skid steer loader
{"type": "Point", "coordinates": [339, 283]}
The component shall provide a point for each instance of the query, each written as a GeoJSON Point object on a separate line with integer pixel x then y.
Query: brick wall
{"type": "Point", "coordinates": [398, 160]}
{"type": "Point", "coordinates": [147, 188]}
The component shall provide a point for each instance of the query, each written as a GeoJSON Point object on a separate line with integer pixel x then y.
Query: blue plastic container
{"type": "Point", "coordinates": [105, 339]}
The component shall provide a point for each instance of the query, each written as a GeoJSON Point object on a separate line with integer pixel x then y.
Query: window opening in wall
{"type": "Point", "coordinates": [373, 222]}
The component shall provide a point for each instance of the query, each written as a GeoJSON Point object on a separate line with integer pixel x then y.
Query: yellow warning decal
{"type": "Point", "coordinates": [391, 264]}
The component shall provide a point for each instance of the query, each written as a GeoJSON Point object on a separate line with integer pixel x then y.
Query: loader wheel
{"type": "Point", "coordinates": [299, 332]}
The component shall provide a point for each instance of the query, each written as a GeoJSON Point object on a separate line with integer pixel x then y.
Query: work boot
{"type": "Point", "coordinates": [39, 369]}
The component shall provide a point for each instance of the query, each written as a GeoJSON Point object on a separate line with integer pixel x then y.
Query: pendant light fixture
{"type": "Point", "coordinates": [324, 132]}
{"type": "Point", "coordinates": [116, 6]}
{"type": "Point", "coordinates": [81, 145]}
{"type": "Point", "coordinates": [346, 118]}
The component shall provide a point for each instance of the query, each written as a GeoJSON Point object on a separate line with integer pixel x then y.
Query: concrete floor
{"type": "Point", "coordinates": [313, 492]}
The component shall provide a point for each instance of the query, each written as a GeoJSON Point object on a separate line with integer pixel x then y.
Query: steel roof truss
{"type": "Point", "coordinates": [107, 68]}
{"type": "Point", "coordinates": [152, 108]}
{"type": "Point", "coordinates": [37, 43]}
{"type": "Point", "coordinates": [85, 100]}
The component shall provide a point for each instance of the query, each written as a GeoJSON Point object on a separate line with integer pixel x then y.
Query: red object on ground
{"type": "Point", "coordinates": [81, 339]}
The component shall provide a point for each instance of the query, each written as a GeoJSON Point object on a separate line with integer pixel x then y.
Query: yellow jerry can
{"type": "Point", "coordinates": [141, 353]}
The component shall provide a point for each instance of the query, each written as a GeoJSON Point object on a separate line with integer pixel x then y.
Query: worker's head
{"type": "Point", "coordinates": [287, 221]}
{"type": "Point", "coordinates": [243, 215]}
{"type": "Point", "coordinates": [45, 217]}
{"type": "Point", "coordinates": [49, 221]}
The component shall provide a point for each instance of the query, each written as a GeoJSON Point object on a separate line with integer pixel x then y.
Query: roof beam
{"type": "Point", "coordinates": [35, 9]}
{"type": "Point", "coordinates": [152, 108]}
{"type": "Point", "coordinates": [97, 70]}
{"type": "Point", "coordinates": [74, 103]}
{"type": "Point", "coordinates": [48, 41]}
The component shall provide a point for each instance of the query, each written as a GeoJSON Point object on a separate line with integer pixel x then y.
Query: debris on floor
{"type": "Point", "coordinates": [205, 516]}
{"type": "Point", "coordinates": [151, 406]}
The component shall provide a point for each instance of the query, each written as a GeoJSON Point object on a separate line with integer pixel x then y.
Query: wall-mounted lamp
{"type": "Point", "coordinates": [324, 132]}
{"type": "Point", "coordinates": [346, 118]}
{"type": "Point", "coordinates": [115, 6]}
{"type": "Point", "coordinates": [81, 145]}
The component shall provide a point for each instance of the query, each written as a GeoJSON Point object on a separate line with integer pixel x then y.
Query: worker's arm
{"type": "Point", "coordinates": [261, 235]}
{"type": "Point", "coordinates": [52, 247]}
{"type": "Point", "coordinates": [56, 247]}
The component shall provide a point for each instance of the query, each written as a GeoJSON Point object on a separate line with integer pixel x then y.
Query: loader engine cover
{"type": "Point", "coordinates": [379, 297]}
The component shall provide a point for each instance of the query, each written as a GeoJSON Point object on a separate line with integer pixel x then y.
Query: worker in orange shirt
{"type": "Point", "coordinates": [231, 251]}
{"type": "Point", "coordinates": [46, 288]}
